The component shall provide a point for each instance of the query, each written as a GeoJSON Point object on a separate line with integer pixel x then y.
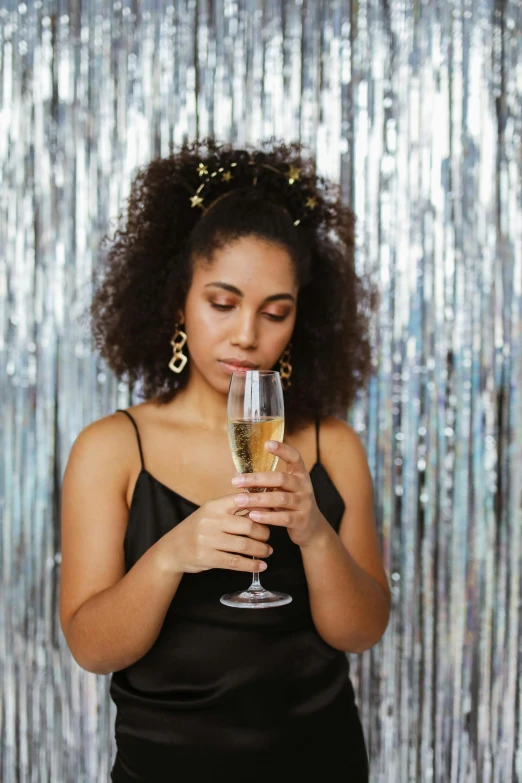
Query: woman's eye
{"type": "Point", "coordinates": [223, 307]}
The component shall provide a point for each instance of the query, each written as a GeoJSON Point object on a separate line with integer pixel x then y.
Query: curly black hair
{"type": "Point", "coordinates": [147, 270]}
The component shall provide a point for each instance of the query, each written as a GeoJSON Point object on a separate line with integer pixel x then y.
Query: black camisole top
{"type": "Point", "coordinates": [234, 693]}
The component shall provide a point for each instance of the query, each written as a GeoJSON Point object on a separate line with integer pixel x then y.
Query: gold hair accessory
{"type": "Point", "coordinates": [302, 202]}
{"type": "Point", "coordinates": [178, 341]}
{"type": "Point", "coordinates": [285, 368]}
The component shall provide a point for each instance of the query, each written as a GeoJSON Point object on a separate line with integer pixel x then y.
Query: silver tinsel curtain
{"type": "Point", "coordinates": [415, 108]}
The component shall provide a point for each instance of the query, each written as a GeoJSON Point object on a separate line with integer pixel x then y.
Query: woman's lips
{"type": "Point", "coordinates": [230, 368]}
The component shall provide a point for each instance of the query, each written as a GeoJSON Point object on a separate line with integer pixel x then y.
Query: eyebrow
{"type": "Point", "coordinates": [234, 290]}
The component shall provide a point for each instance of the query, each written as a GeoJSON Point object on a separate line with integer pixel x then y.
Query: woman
{"type": "Point", "coordinates": [226, 259]}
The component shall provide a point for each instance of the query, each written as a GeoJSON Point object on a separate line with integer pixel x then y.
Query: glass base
{"type": "Point", "coordinates": [255, 599]}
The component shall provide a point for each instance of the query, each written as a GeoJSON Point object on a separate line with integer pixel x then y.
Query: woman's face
{"type": "Point", "coordinates": [240, 308]}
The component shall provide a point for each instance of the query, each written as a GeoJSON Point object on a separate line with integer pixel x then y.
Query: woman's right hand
{"type": "Point", "coordinates": [214, 536]}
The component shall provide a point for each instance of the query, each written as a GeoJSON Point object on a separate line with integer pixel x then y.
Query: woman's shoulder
{"type": "Point", "coordinates": [106, 430]}
{"type": "Point", "coordinates": [335, 427]}
{"type": "Point", "coordinates": [339, 438]}
{"type": "Point", "coordinates": [109, 440]}
{"type": "Point", "coordinates": [330, 428]}
{"type": "Point", "coordinates": [343, 454]}
{"type": "Point", "coordinates": [323, 439]}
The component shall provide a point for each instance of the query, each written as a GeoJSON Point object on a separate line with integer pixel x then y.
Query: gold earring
{"type": "Point", "coordinates": [178, 341]}
{"type": "Point", "coordinates": [285, 368]}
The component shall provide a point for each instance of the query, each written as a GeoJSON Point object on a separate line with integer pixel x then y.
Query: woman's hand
{"type": "Point", "coordinates": [214, 537]}
{"type": "Point", "coordinates": [291, 501]}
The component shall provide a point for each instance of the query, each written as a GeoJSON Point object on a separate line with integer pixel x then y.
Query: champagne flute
{"type": "Point", "coordinates": [255, 412]}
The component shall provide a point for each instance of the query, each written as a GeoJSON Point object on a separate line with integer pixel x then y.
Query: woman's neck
{"type": "Point", "coordinates": [201, 406]}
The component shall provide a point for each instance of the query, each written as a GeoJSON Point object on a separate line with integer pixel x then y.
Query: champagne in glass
{"type": "Point", "coordinates": [255, 415]}
{"type": "Point", "coordinates": [247, 439]}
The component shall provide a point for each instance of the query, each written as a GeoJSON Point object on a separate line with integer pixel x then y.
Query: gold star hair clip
{"type": "Point", "coordinates": [292, 175]}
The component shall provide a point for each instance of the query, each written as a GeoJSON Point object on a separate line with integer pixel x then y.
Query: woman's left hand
{"type": "Point", "coordinates": [291, 501]}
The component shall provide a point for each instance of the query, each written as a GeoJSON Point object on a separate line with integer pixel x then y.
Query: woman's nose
{"type": "Point", "coordinates": [244, 333]}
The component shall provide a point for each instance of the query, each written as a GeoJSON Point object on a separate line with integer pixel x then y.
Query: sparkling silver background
{"type": "Point", "coordinates": [416, 109]}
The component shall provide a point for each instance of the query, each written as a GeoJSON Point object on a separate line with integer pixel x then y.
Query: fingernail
{"type": "Point", "coordinates": [270, 551]}
{"type": "Point", "coordinates": [241, 500]}
{"type": "Point", "coordinates": [255, 515]}
{"type": "Point", "coordinates": [262, 567]}
{"type": "Point", "coordinates": [272, 444]}
{"type": "Point", "coordinates": [238, 480]}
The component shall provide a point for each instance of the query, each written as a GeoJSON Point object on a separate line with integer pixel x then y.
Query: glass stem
{"type": "Point", "coordinates": [256, 584]}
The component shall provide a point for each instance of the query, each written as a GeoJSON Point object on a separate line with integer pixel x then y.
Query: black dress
{"type": "Point", "coordinates": [238, 695]}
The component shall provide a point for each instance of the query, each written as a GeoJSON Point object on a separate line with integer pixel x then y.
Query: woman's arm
{"type": "Point", "coordinates": [109, 618]}
{"type": "Point", "coordinates": [348, 586]}
{"type": "Point", "coordinates": [350, 608]}
{"type": "Point", "coordinates": [116, 627]}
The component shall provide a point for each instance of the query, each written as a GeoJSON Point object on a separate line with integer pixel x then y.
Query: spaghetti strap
{"type": "Point", "coordinates": [318, 458]}
{"type": "Point", "coordinates": [120, 410]}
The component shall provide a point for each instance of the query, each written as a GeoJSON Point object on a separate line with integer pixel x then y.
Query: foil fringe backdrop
{"type": "Point", "coordinates": [415, 108]}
